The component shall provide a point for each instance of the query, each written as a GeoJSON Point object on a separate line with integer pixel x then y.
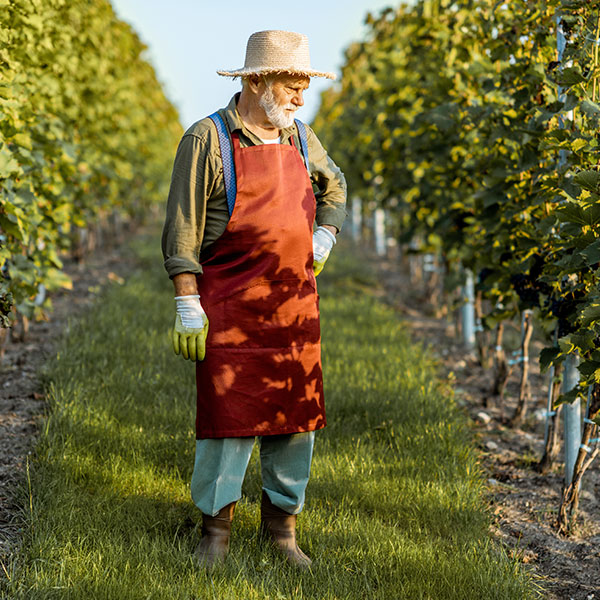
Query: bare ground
{"type": "Point", "coordinates": [22, 404]}
{"type": "Point", "coordinates": [524, 503]}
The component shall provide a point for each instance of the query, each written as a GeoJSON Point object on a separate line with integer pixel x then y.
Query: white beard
{"type": "Point", "coordinates": [276, 112]}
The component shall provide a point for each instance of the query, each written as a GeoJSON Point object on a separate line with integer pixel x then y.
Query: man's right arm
{"type": "Point", "coordinates": [183, 232]}
{"type": "Point", "coordinates": [185, 284]}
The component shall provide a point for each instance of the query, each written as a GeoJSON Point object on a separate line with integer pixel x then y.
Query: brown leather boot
{"type": "Point", "coordinates": [280, 527]}
{"type": "Point", "coordinates": [214, 544]}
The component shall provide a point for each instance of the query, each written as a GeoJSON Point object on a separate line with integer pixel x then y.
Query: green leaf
{"type": "Point", "coordinates": [23, 140]}
{"type": "Point", "coordinates": [570, 76]}
{"type": "Point", "coordinates": [590, 369]}
{"type": "Point", "coordinates": [571, 213]}
{"type": "Point", "coordinates": [591, 314]}
{"type": "Point", "coordinates": [584, 340]}
{"type": "Point", "coordinates": [592, 253]}
{"type": "Point", "coordinates": [578, 144]}
{"type": "Point", "coordinates": [590, 109]}
{"type": "Point", "coordinates": [592, 214]}
{"type": "Point", "coordinates": [36, 21]}
{"type": "Point", "coordinates": [12, 225]}
{"type": "Point", "coordinates": [565, 345]}
{"type": "Point", "coordinates": [8, 164]}
{"type": "Point", "coordinates": [548, 356]}
{"type": "Point", "coordinates": [569, 397]}
{"type": "Point", "coordinates": [588, 180]}
{"type": "Point", "coordinates": [56, 279]}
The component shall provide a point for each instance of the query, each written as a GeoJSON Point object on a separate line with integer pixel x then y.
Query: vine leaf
{"type": "Point", "coordinates": [570, 76]}
{"type": "Point", "coordinates": [588, 180]}
{"type": "Point", "coordinates": [548, 356]}
{"type": "Point", "coordinates": [590, 315]}
{"type": "Point", "coordinates": [592, 253]}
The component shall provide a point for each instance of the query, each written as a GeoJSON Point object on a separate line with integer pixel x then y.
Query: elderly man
{"type": "Point", "coordinates": [248, 183]}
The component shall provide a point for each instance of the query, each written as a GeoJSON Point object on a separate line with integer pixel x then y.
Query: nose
{"type": "Point", "coordinates": [298, 98]}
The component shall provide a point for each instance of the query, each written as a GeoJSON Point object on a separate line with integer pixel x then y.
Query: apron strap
{"type": "Point", "coordinates": [303, 142]}
{"type": "Point", "coordinates": [227, 158]}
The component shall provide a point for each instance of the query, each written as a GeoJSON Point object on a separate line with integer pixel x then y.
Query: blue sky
{"type": "Point", "coordinates": [188, 40]}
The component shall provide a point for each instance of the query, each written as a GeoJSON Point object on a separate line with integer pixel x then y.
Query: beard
{"type": "Point", "coordinates": [276, 112]}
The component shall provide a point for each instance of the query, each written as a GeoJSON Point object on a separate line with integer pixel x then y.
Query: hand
{"type": "Point", "coordinates": [323, 242]}
{"type": "Point", "coordinates": [191, 328]}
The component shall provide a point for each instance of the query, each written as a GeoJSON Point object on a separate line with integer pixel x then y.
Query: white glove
{"type": "Point", "coordinates": [191, 312]}
{"type": "Point", "coordinates": [191, 328]}
{"type": "Point", "coordinates": [323, 242]}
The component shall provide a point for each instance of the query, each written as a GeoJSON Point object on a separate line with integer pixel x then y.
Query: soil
{"type": "Point", "coordinates": [524, 503]}
{"type": "Point", "coordinates": [22, 403]}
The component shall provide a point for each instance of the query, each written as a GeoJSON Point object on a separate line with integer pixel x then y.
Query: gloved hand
{"type": "Point", "coordinates": [323, 242]}
{"type": "Point", "coordinates": [191, 328]}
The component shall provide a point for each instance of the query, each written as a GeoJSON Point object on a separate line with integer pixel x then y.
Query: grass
{"type": "Point", "coordinates": [394, 506]}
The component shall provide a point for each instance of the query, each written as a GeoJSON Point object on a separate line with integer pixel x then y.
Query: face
{"type": "Point", "coordinates": [282, 97]}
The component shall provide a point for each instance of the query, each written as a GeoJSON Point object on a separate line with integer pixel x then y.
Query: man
{"type": "Point", "coordinates": [238, 242]}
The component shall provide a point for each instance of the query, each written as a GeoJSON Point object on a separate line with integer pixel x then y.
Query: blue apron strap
{"type": "Point", "coordinates": [227, 158]}
{"type": "Point", "coordinates": [303, 142]}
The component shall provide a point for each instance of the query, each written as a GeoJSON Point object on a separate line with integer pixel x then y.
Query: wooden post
{"type": "Point", "coordinates": [501, 365]}
{"type": "Point", "coordinates": [526, 332]}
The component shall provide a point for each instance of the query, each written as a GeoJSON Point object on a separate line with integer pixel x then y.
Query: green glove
{"type": "Point", "coordinates": [318, 265]}
{"type": "Point", "coordinates": [323, 242]}
{"type": "Point", "coordinates": [191, 328]}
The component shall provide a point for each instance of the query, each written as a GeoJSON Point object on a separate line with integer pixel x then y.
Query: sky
{"type": "Point", "coordinates": [188, 40]}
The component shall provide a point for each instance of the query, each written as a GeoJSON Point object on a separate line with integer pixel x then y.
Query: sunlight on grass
{"type": "Point", "coordinates": [394, 505]}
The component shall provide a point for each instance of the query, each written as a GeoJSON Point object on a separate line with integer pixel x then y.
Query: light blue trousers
{"type": "Point", "coordinates": [221, 464]}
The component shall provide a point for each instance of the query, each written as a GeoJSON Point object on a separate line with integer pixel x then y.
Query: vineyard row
{"type": "Point", "coordinates": [474, 124]}
{"type": "Point", "coordinates": [86, 140]}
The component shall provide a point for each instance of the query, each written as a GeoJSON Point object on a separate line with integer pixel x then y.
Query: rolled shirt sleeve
{"type": "Point", "coordinates": [186, 206]}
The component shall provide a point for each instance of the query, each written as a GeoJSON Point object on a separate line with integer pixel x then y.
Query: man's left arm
{"type": "Point", "coordinates": [329, 186]}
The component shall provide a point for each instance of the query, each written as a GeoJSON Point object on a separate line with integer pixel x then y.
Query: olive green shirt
{"type": "Point", "coordinates": [197, 211]}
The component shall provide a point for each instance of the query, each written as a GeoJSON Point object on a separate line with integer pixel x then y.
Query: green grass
{"type": "Point", "coordinates": [394, 506]}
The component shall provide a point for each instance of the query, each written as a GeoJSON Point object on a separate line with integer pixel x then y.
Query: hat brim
{"type": "Point", "coordinates": [269, 70]}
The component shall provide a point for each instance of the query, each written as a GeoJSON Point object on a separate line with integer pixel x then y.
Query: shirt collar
{"type": "Point", "coordinates": [234, 122]}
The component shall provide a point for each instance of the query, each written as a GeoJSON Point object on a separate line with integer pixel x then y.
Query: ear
{"type": "Point", "coordinates": [254, 82]}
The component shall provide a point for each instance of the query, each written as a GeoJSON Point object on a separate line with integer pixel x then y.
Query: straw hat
{"type": "Point", "coordinates": [277, 52]}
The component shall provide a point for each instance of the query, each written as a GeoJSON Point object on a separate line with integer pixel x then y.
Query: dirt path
{"type": "Point", "coordinates": [22, 402]}
{"type": "Point", "coordinates": [523, 502]}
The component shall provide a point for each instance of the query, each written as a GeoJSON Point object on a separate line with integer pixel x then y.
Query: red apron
{"type": "Point", "coordinates": [262, 371]}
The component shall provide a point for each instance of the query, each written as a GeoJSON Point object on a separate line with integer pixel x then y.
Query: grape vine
{"type": "Point", "coordinates": [450, 114]}
{"type": "Point", "coordinates": [85, 133]}
{"type": "Point", "coordinates": [458, 117]}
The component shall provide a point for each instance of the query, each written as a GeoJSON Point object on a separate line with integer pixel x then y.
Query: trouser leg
{"type": "Point", "coordinates": [285, 465]}
{"type": "Point", "coordinates": [219, 470]}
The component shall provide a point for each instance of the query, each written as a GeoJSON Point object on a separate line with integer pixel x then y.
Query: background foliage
{"type": "Point", "coordinates": [86, 134]}
{"type": "Point", "coordinates": [458, 117]}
